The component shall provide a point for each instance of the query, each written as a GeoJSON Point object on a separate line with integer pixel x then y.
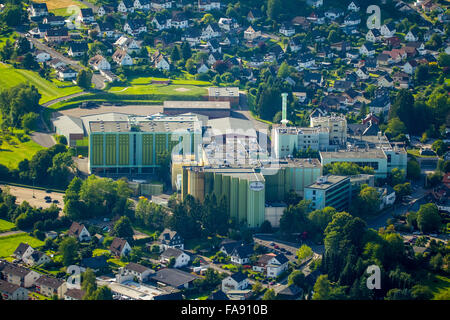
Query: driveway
{"type": "Point", "coordinates": [44, 139]}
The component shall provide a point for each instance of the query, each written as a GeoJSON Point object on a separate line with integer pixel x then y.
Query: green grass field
{"type": "Point", "coordinates": [9, 244]}
{"type": "Point", "coordinates": [49, 90]}
{"type": "Point", "coordinates": [172, 89]}
{"type": "Point", "coordinates": [6, 225]}
{"type": "Point", "coordinates": [439, 284]}
{"type": "Point", "coordinates": [15, 151]}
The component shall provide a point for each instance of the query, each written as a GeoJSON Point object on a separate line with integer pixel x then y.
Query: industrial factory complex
{"type": "Point", "coordinates": [215, 153]}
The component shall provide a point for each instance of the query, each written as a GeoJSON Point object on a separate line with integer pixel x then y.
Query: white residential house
{"type": "Point", "coordinates": [133, 270]}
{"type": "Point", "coordinates": [10, 291]}
{"type": "Point", "coordinates": [306, 61]}
{"type": "Point", "coordinates": [287, 29]}
{"type": "Point", "coordinates": [135, 27]}
{"type": "Point", "coordinates": [125, 6]}
{"type": "Point", "coordinates": [388, 30]}
{"type": "Point", "coordinates": [128, 44]}
{"type": "Point", "coordinates": [386, 81]}
{"type": "Point", "coordinates": [374, 35]}
{"type": "Point", "coordinates": [411, 36]}
{"type": "Point", "coordinates": [122, 58]}
{"type": "Point", "coordinates": [66, 73]}
{"type": "Point", "coordinates": [98, 62]}
{"type": "Point", "coordinates": [211, 31]}
{"type": "Point", "coordinates": [315, 3]}
{"type": "Point", "coordinates": [236, 281]}
{"type": "Point", "coordinates": [271, 265]}
{"type": "Point", "coordinates": [181, 259]}
{"type": "Point", "coordinates": [23, 250]}
{"type": "Point", "coordinates": [410, 67]}
{"type": "Point", "coordinates": [241, 254]}
{"type": "Point", "coordinates": [19, 275]}
{"type": "Point", "coordinates": [79, 230]}
{"type": "Point", "coordinates": [387, 196]}
{"type": "Point", "coordinates": [362, 73]}
{"type": "Point", "coordinates": [159, 61]}
{"type": "Point", "coordinates": [86, 16]}
{"type": "Point", "coordinates": [38, 9]}
{"type": "Point", "coordinates": [170, 239]}
{"type": "Point", "coordinates": [179, 21]}
{"type": "Point", "coordinates": [162, 23]}
{"type": "Point", "coordinates": [367, 49]}
{"type": "Point", "coordinates": [142, 5]}
{"type": "Point", "coordinates": [353, 7]}
{"type": "Point", "coordinates": [203, 68]}
{"type": "Point", "coordinates": [120, 247]}
{"type": "Point", "coordinates": [208, 5]}
{"type": "Point", "coordinates": [250, 34]}
{"type": "Point", "coordinates": [159, 5]}
{"type": "Point", "coordinates": [352, 19]}
{"type": "Point", "coordinates": [42, 56]}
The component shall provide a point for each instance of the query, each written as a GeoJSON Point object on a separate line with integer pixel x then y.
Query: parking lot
{"type": "Point", "coordinates": [35, 197]}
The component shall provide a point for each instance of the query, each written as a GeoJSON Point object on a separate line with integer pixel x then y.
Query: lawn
{"type": "Point", "coordinates": [6, 225]}
{"type": "Point", "coordinates": [14, 151]}
{"type": "Point", "coordinates": [416, 153]}
{"type": "Point", "coordinates": [9, 244]}
{"type": "Point", "coordinates": [49, 90]}
{"type": "Point", "coordinates": [59, 7]}
{"type": "Point", "coordinates": [99, 252]}
{"type": "Point", "coordinates": [439, 284]}
{"type": "Point", "coordinates": [172, 89]}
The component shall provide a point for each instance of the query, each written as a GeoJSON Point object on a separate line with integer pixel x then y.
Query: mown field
{"type": "Point", "coordinates": [59, 7]}
{"type": "Point", "coordinates": [49, 90]}
{"type": "Point", "coordinates": [6, 225]}
{"type": "Point", "coordinates": [9, 244]}
{"type": "Point", "coordinates": [14, 151]}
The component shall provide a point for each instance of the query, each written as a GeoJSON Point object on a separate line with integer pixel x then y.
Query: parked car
{"type": "Point", "coordinates": [55, 201]}
{"type": "Point", "coordinates": [272, 244]}
{"type": "Point", "coordinates": [48, 201]}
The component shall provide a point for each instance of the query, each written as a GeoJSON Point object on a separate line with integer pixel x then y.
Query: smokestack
{"type": "Point", "coordinates": [284, 120]}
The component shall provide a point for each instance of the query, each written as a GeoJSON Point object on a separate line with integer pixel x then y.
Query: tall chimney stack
{"type": "Point", "coordinates": [284, 120]}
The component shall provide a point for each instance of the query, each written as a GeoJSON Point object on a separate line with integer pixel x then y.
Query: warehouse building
{"type": "Point", "coordinates": [230, 94]}
{"type": "Point", "coordinates": [211, 109]}
{"type": "Point", "coordinates": [70, 127]}
{"type": "Point", "coordinates": [139, 145]}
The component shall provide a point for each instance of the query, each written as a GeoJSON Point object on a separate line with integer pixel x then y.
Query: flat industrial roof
{"type": "Point", "coordinates": [223, 91]}
{"type": "Point", "coordinates": [225, 105]}
{"type": "Point", "coordinates": [144, 126]}
{"type": "Point", "coordinates": [328, 183]}
{"type": "Point", "coordinates": [353, 154]}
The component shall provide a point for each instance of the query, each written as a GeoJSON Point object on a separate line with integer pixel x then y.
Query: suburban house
{"type": "Point", "coordinates": [86, 16]}
{"type": "Point", "coordinates": [193, 37]}
{"type": "Point", "coordinates": [287, 29]}
{"type": "Point", "coordinates": [160, 5]}
{"type": "Point", "coordinates": [374, 35]}
{"type": "Point", "coordinates": [128, 44]}
{"type": "Point", "coordinates": [387, 196]}
{"type": "Point", "coordinates": [386, 81]}
{"type": "Point", "coordinates": [79, 231]}
{"type": "Point", "coordinates": [106, 30]}
{"type": "Point", "coordinates": [291, 292]}
{"type": "Point", "coordinates": [174, 278]}
{"type": "Point", "coordinates": [57, 35]}
{"type": "Point", "coordinates": [56, 63]}
{"type": "Point", "coordinates": [241, 254]}
{"type": "Point", "coordinates": [367, 49]}
{"type": "Point", "coordinates": [122, 58]}
{"type": "Point", "coordinates": [49, 286]}
{"type": "Point", "coordinates": [54, 21]}
{"type": "Point", "coordinates": [134, 271]}
{"type": "Point", "coordinates": [125, 6]}
{"type": "Point", "coordinates": [74, 294]}
{"type": "Point", "coordinates": [36, 258]}
{"type": "Point", "coordinates": [161, 22]}
{"type": "Point", "coordinates": [237, 281]}
{"type": "Point", "coordinates": [120, 247]}
{"type": "Point", "coordinates": [23, 250]}
{"type": "Point", "coordinates": [410, 66]}
{"type": "Point", "coordinates": [38, 9]}
{"type": "Point", "coordinates": [135, 27]}
{"type": "Point", "coordinates": [94, 263]}
{"type": "Point", "coordinates": [77, 49]}
{"type": "Point", "coordinates": [66, 74]}
{"type": "Point", "coordinates": [142, 4]}
{"type": "Point", "coordinates": [254, 15]}
{"type": "Point", "coordinates": [250, 34]}
{"type": "Point", "coordinates": [159, 61]}
{"type": "Point", "coordinates": [208, 5]}
{"type": "Point", "coordinates": [179, 21]}
{"type": "Point", "coordinates": [227, 246]}
{"type": "Point", "coordinates": [170, 239]}
{"type": "Point", "coordinates": [353, 7]}
{"type": "Point", "coordinates": [98, 62]}
{"type": "Point", "coordinates": [181, 258]}
{"type": "Point", "coordinates": [102, 10]}
{"type": "Point", "coordinates": [388, 30]}
{"type": "Point", "coordinates": [271, 264]}
{"type": "Point", "coordinates": [212, 30]}
{"type": "Point", "coordinates": [10, 291]}
{"type": "Point", "coordinates": [19, 275]}
{"type": "Point", "coordinates": [412, 36]}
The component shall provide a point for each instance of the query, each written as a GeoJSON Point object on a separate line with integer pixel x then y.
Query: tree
{"type": "Point", "coordinates": [207, 19]}
{"type": "Point", "coordinates": [439, 147]}
{"type": "Point", "coordinates": [274, 9]}
{"type": "Point", "coordinates": [395, 127]}
{"type": "Point", "coordinates": [413, 170]}
{"type": "Point", "coordinates": [176, 55]}
{"type": "Point", "coordinates": [444, 60]}
{"type": "Point", "coordinates": [304, 252]}
{"type": "Point", "coordinates": [266, 227]}
{"type": "Point", "coordinates": [297, 278]}
{"type": "Point", "coordinates": [84, 79]}
{"type": "Point", "coordinates": [186, 51]}
{"type": "Point", "coordinates": [326, 290]}
{"type": "Point", "coordinates": [257, 287]}
{"type": "Point", "coordinates": [269, 295]}
{"type": "Point", "coordinates": [403, 189]}
{"type": "Point", "coordinates": [18, 101]}
{"type": "Point", "coordinates": [397, 176]}
{"type": "Point", "coordinates": [428, 218]}
{"type": "Point", "coordinates": [123, 228]}
{"type": "Point", "coordinates": [29, 121]}
{"type": "Point", "coordinates": [367, 202]}
{"type": "Point", "coordinates": [68, 249]}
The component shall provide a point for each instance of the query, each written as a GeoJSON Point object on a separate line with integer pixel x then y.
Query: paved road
{"type": "Point", "coordinates": [10, 233]}
{"type": "Point", "coordinates": [35, 197]}
{"type": "Point", "coordinates": [52, 102]}
{"type": "Point", "coordinates": [97, 79]}
{"type": "Point", "coordinates": [44, 139]}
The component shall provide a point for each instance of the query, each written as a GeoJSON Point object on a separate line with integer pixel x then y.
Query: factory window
{"type": "Point", "coordinates": [389, 158]}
